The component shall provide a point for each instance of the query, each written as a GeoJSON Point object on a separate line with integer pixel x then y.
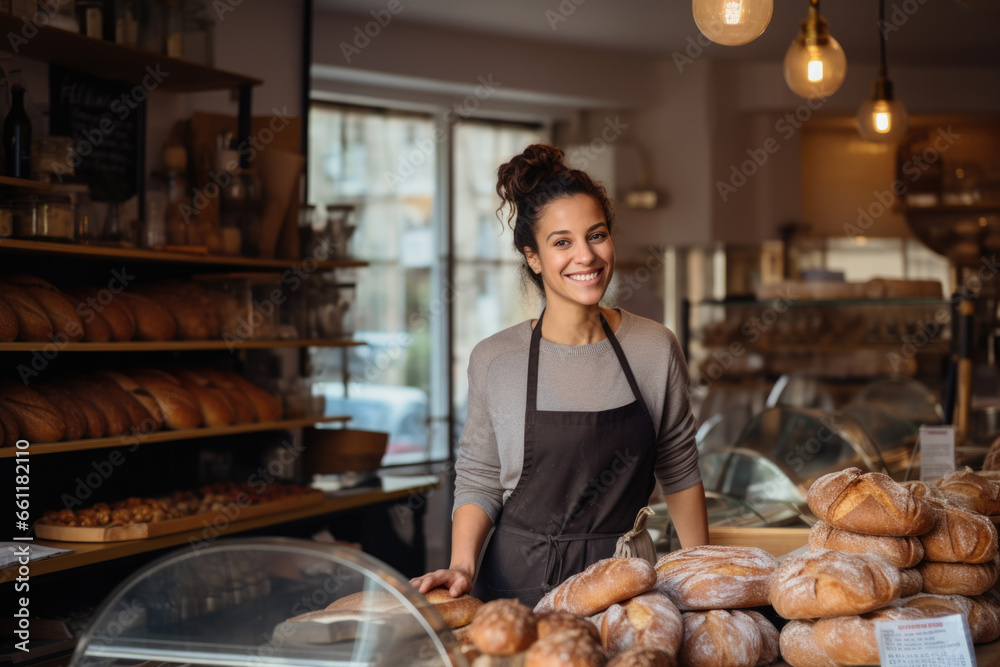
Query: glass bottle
{"type": "Point", "coordinates": [152, 28]}
{"type": "Point", "coordinates": [126, 23]}
{"type": "Point", "coordinates": [17, 137]}
{"type": "Point", "coordinates": [90, 16]}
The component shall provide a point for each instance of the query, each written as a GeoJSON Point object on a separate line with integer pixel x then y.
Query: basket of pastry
{"type": "Point", "coordinates": [140, 518]}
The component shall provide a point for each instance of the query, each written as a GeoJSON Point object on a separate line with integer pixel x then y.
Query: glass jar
{"type": "Point", "coordinates": [86, 224]}
{"type": "Point", "coordinates": [90, 16]}
{"type": "Point", "coordinates": [199, 32]}
{"type": "Point", "coordinates": [49, 217]}
{"type": "Point", "coordinates": [62, 14]}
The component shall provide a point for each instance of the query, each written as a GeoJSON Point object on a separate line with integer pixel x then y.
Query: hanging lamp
{"type": "Point", "coordinates": [732, 22]}
{"type": "Point", "coordinates": [815, 64]}
{"type": "Point", "coordinates": [882, 117]}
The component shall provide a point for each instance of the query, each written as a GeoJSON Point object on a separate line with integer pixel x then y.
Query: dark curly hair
{"type": "Point", "coordinates": [532, 180]}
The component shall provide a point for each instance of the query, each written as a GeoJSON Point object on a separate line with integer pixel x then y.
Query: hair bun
{"type": "Point", "coordinates": [525, 171]}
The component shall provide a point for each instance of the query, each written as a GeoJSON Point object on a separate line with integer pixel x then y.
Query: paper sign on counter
{"type": "Point", "coordinates": [937, 452]}
{"type": "Point", "coordinates": [927, 642]}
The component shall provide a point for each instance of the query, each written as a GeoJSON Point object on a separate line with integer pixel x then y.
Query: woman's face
{"type": "Point", "coordinates": [575, 254]}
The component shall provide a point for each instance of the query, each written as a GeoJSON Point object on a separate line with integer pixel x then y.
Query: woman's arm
{"type": "Point", "coordinates": [689, 514]}
{"type": "Point", "coordinates": [469, 529]}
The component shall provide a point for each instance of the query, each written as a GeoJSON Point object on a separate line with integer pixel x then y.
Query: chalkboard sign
{"type": "Point", "coordinates": [105, 119]}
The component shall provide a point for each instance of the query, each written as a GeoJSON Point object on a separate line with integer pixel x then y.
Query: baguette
{"type": "Point", "coordinates": [959, 578]}
{"type": "Point", "coordinates": [190, 318]}
{"type": "Point", "coordinates": [8, 323]}
{"type": "Point", "coordinates": [870, 503]}
{"type": "Point", "coordinates": [11, 433]}
{"type": "Point", "coordinates": [104, 303]}
{"type": "Point", "coordinates": [59, 309]}
{"type": "Point", "coordinates": [177, 405]}
{"type": "Point", "coordinates": [38, 420]}
{"type": "Point", "coordinates": [503, 627]}
{"type": "Point", "coordinates": [982, 493]}
{"type": "Point", "coordinates": [959, 536]}
{"type": "Point", "coordinates": [901, 552]}
{"type": "Point", "coordinates": [715, 577]}
{"type": "Point", "coordinates": [718, 637]}
{"type": "Point", "coordinates": [33, 324]}
{"type": "Point", "coordinates": [73, 415]}
{"type": "Point", "coordinates": [601, 585]}
{"type": "Point", "coordinates": [649, 620]}
{"type": "Point", "coordinates": [139, 393]}
{"type": "Point", "coordinates": [152, 321]}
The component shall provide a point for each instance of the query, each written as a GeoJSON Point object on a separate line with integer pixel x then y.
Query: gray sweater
{"type": "Point", "coordinates": [571, 378]}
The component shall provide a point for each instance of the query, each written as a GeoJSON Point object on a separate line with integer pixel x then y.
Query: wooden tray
{"type": "Point", "coordinates": [140, 531]}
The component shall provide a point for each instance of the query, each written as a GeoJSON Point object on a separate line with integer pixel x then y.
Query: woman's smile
{"type": "Point", "coordinates": [591, 277]}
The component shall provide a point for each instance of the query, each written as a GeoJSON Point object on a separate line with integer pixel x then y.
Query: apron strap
{"type": "Point", "coordinates": [621, 360]}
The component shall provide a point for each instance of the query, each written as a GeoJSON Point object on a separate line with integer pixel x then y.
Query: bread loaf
{"type": "Point", "coordinates": [911, 582]}
{"type": "Point", "coordinates": [246, 410]}
{"type": "Point", "coordinates": [720, 639]}
{"type": "Point", "coordinates": [266, 407]}
{"type": "Point", "coordinates": [921, 489]}
{"type": "Point", "coordinates": [650, 620]}
{"type": "Point", "coordinates": [832, 583]}
{"type": "Point", "coordinates": [984, 620]}
{"type": "Point", "coordinates": [33, 324]}
{"type": "Point", "coordinates": [799, 647]}
{"type": "Point", "coordinates": [850, 640]}
{"type": "Point", "coordinates": [569, 647]}
{"type": "Point", "coordinates": [152, 321]}
{"type": "Point", "coordinates": [140, 420]}
{"type": "Point", "coordinates": [225, 403]}
{"type": "Point", "coordinates": [979, 612]}
{"type": "Point", "coordinates": [551, 621]}
{"type": "Point", "coordinates": [190, 319]}
{"type": "Point", "coordinates": [38, 420]}
{"type": "Point", "coordinates": [104, 303]}
{"type": "Point", "coordinates": [97, 423]}
{"type": "Point", "coordinates": [769, 640]}
{"type": "Point", "coordinates": [177, 404]}
{"type": "Point", "coordinates": [641, 656]}
{"type": "Point", "coordinates": [139, 393]}
{"type": "Point", "coordinates": [901, 552]}
{"type": "Point", "coordinates": [374, 601]}
{"type": "Point", "coordinates": [216, 410]}
{"type": "Point", "coordinates": [11, 432]}
{"type": "Point", "coordinates": [456, 612]}
{"type": "Point", "coordinates": [982, 493]}
{"type": "Point", "coordinates": [111, 407]}
{"type": "Point", "coordinates": [73, 416]}
{"type": "Point", "coordinates": [715, 577]}
{"type": "Point", "coordinates": [503, 627]}
{"type": "Point", "coordinates": [870, 503]}
{"type": "Point", "coordinates": [8, 323]}
{"type": "Point", "coordinates": [959, 536]}
{"type": "Point", "coordinates": [57, 306]}
{"type": "Point", "coordinates": [992, 461]}
{"type": "Point", "coordinates": [959, 578]}
{"type": "Point", "coordinates": [599, 586]}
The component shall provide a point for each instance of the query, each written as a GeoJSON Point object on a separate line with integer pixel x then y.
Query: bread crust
{"type": "Point", "coordinates": [959, 578]}
{"type": "Point", "coordinates": [152, 321]}
{"type": "Point", "coordinates": [8, 323]}
{"type": "Point", "coordinates": [456, 612]}
{"type": "Point", "coordinates": [959, 535]}
{"type": "Point", "coordinates": [642, 656]}
{"type": "Point", "coordinates": [568, 647]}
{"type": "Point", "coordinates": [33, 324]}
{"type": "Point", "coordinates": [116, 418]}
{"type": "Point", "coordinates": [60, 310]}
{"type": "Point", "coordinates": [503, 627]}
{"type": "Point", "coordinates": [73, 415]}
{"type": "Point", "coordinates": [719, 637]}
{"type": "Point", "coordinates": [649, 620]}
{"type": "Point", "coordinates": [850, 640]}
{"type": "Point", "coordinates": [981, 492]}
{"type": "Point", "coordinates": [601, 585]}
{"type": "Point", "coordinates": [37, 419]}
{"type": "Point", "coordinates": [901, 552]}
{"type": "Point", "coordinates": [799, 647]}
{"type": "Point", "coordinates": [715, 577]}
{"type": "Point", "coordinates": [870, 503]}
{"type": "Point", "coordinates": [177, 405]}
{"type": "Point", "coordinates": [911, 582]}
{"type": "Point", "coordinates": [105, 304]}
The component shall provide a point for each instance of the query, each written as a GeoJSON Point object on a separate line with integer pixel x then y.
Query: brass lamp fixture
{"type": "Point", "coordinates": [815, 64]}
{"type": "Point", "coordinates": [882, 117]}
{"type": "Point", "coordinates": [732, 22]}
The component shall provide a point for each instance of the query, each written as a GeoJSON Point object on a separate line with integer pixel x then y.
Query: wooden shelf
{"type": "Point", "coordinates": [169, 345]}
{"type": "Point", "coordinates": [155, 256]}
{"type": "Point", "coordinates": [90, 553]}
{"type": "Point", "coordinates": [168, 436]}
{"type": "Point", "coordinates": [117, 61]}
{"type": "Point", "coordinates": [11, 182]}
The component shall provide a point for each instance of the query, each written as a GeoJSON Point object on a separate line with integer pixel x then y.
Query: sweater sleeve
{"type": "Point", "coordinates": [676, 451]}
{"type": "Point", "coordinates": [477, 470]}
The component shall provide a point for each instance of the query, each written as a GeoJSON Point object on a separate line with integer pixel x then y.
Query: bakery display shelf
{"type": "Point", "coordinates": [116, 61]}
{"type": "Point", "coordinates": [938, 347]}
{"type": "Point", "coordinates": [807, 303]}
{"type": "Point", "coordinates": [88, 553]}
{"type": "Point", "coordinates": [99, 252]}
{"type": "Point", "coordinates": [11, 182]}
{"type": "Point", "coordinates": [170, 436]}
{"type": "Point", "coordinates": [180, 345]}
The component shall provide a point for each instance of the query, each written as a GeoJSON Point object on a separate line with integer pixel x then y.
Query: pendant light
{"type": "Point", "coordinates": [732, 22]}
{"type": "Point", "coordinates": [815, 65]}
{"type": "Point", "coordinates": [882, 117]}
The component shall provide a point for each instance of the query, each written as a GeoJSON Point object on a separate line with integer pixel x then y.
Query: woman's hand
{"type": "Point", "coordinates": [456, 580]}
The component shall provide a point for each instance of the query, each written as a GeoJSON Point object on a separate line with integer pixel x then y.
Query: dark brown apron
{"type": "Point", "coordinates": [585, 477]}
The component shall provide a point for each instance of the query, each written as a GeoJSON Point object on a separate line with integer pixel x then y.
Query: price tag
{"type": "Point", "coordinates": [937, 452]}
{"type": "Point", "coordinates": [927, 642]}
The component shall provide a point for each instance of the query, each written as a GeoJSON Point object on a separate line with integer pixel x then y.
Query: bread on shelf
{"type": "Point", "coordinates": [715, 577]}
{"type": "Point", "coordinates": [870, 503]}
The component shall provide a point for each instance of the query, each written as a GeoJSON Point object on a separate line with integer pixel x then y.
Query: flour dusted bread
{"type": "Point", "coordinates": [984, 620]}
{"type": "Point", "coordinates": [715, 577]}
{"type": "Point", "coordinates": [599, 586]}
{"type": "Point", "coordinates": [959, 536]}
{"type": "Point", "coordinates": [850, 640]}
{"type": "Point", "coordinates": [832, 583]}
{"type": "Point", "coordinates": [959, 578]}
{"type": "Point", "coordinates": [981, 492]}
{"type": "Point", "coordinates": [456, 612]}
{"type": "Point", "coordinates": [503, 627]}
{"type": "Point", "coordinates": [922, 489]}
{"type": "Point", "coordinates": [37, 419]}
{"type": "Point", "coordinates": [650, 620]}
{"type": "Point", "coordinates": [553, 621]}
{"type": "Point", "coordinates": [901, 552]}
{"type": "Point", "coordinates": [641, 656]}
{"type": "Point", "coordinates": [721, 638]}
{"type": "Point", "coordinates": [799, 647]}
{"type": "Point", "coordinates": [870, 503]}
{"type": "Point", "coordinates": [769, 639]}
{"type": "Point", "coordinates": [569, 647]}
{"type": "Point", "coordinates": [981, 613]}
{"type": "Point", "coordinates": [911, 582]}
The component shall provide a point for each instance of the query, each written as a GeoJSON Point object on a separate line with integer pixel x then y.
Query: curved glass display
{"type": "Point", "coordinates": [263, 602]}
{"type": "Point", "coordinates": [903, 398]}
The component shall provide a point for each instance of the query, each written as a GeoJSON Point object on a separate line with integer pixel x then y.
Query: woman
{"type": "Point", "coordinates": [572, 417]}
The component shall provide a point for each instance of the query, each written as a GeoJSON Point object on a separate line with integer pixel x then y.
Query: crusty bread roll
{"type": "Point", "coordinates": [110, 405]}
{"type": "Point", "coordinates": [985, 619]}
{"type": "Point", "coordinates": [242, 393]}
{"type": "Point", "coordinates": [720, 638]}
{"type": "Point", "coordinates": [959, 578]}
{"type": "Point", "coordinates": [959, 536]}
{"type": "Point", "coordinates": [650, 619]}
{"type": "Point", "coordinates": [32, 323]}
{"type": "Point", "coordinates": [911, 582]}
{"type": "Point", "coordinates": [715, 577]}
{"type": "Point", "coordinates": [179, 407]}
{"type": "Point", "coordinates": [832, 583]}
{"type": "Point", "coordinates": [456, 612]}
{"type": "Point", "coordinates": [191, 321]}
{"type": "Point", "coordinates": [552, 621]}
{"type": "Point", "coordinates": [8, 323]}
{"type": "Point", "coordinates": [11, 432]}
{"type": "Point", "coordinates": [642, 656]}
{"type": "Point", "coordinates": [104, 302]}
{"type": "Point", "coordinates": [38, 420]}
{"type": "Point", "coordinates": [901, 552]}
{"type": "Point", "coordinates": [922, 489]}
{"type": "Point", "coordinates": [240, 406]}
{"type": "Point", "coordinates": [139, 393]}
{"type": "Point", "coordinates": [569, 647]}
{"type": "Point", "coordinates": [799, 647]}
{"type": "Point", "coordinates": [981, 613]}
{"type": "Point", "coordinates": [216, 410]}
{"type": "Point", "coordinates": [850, 640]}
{"type": "Point", "coordinates": [140, 419]}
{"type": "Point", "coordinates": [97, 424]}
{"type": "Point", "coordinates": [870, 503]}
{"type": "Point", "coordinates": [95, 328]}
{"type": "Point", "coordinates": [503, 627]}
{"type": "Point", "coordinates": [982, 492]}
{"type": "Point", "coordinates": [769, 639]}
{"type": "Point", "coordinates": [152, 321]}
{"type": "Point", "coordinates": [57, 306]}
{"type": "Point", "coordinates": [73, 415]}
{"type": "Point", "coordinates": [601, 585]}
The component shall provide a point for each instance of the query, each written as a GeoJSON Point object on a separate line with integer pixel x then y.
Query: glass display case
{"type": "Point", "coordinates": [263, 602]}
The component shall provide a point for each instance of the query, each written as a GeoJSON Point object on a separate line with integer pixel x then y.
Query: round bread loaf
{"type": "Point", "coordinates": [503, 627]}
{"type": "Point", "coordinates": [959, 578]}
{"type": "Point", "coordinates": [73, 415]}
{"type": "Point", "coordinates": [769, 638]}
{"type": "Point", "coordinates": [37, 419]}
{"type": "Point", "coordinates": [599, 586]}
{"type": "Point", "coordinates": [715, 577]}
{"type": "Point", "coordinates": [374, 601]}
{"type": "Point", "coordinates": [850, 640]}
{"type": "Point", "coordinates": [650, 620]}
{"type": "Point", "coordinates": [799, 647]}
{"type": "Point", "coordinates": [8, 323]}
{"type": "Point", "coordinates": [911, 582]}
{"type": "Point", "coordinates": [901, 552]}
{"type": "Point", "coordinates": [720, 639]}
{"type": "Point", "coordinates": [959, 536]}
{"type": "Point", "coordinates": [456, 612]}
{"type": "Point", "coordinates": [569, 647]}
{"type": "Point", "coordinates": [32, 323]}
{"type": "Point", "coordinates": [983, 493]}
{"type": "Point", "coordinates": [104, 303]}
{"type": "Point", "coordinates": [641, 656]}
{"type": "Point", "coordinates": [832, 583]}
{"type": "Point", "coordinates": [922, 489]}
{"type": "Point", "coordinates": [870, 503]}
{"type": "Point", "coordinates": [551, 621]}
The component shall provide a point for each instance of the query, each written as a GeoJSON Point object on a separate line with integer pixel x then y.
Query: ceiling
{"type": "Point", "coordinates": [936, 33]}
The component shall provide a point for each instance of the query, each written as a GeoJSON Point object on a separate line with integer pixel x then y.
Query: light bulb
{"type": "Point", "coordinates": [815, 65]}
{"type": "Point", "coordinates": [882, 117]}
{"type": "Point", "coordinates": [732, 22]}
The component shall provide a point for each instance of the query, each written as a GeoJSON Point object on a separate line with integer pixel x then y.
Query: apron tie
{"type": "Point", "coordinates": [554, 556]}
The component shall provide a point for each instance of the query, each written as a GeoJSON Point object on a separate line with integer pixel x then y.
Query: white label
{"type": "Point", "coordinates": [927, 642]}
{"type": "Point", "coordinates": [937, 452]}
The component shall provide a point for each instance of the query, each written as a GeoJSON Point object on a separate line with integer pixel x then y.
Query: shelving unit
{"type": "Point", "coordinates": [11, 182]}
{"type": "Point", "coordinates": [180, 345]}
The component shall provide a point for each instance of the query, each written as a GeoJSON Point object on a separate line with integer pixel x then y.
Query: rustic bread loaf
{"type": "Point", "coordinates": [870, 503]}
{"type": "Point", "coordinates": [33, 324]}
{"type": "Point", "coordinates": [799, 647]}
{"type": "Point", "coordinates": [38, 420]}
{"type": "Point", "coordinates": [152, 321]}
{"type": "Point", "coordinates": [959, 535]}
{"type": "Point", "coordinates": [901, 552]}
{"type": "Point", "coordinates": [456, 612]}
{"type": "Point", "coordinates": [73, 415]}
{"type": "Point", "coordinates": [116, 418]}
{"type": "Point", "coordinates": [266, 406]}
{"type": "Point", "coordinates": [96, 328]}
{"type": "Point", "coordinates": [715, 577]}
{"type": "Point", "coordinates": [832, 583]}
{"type": "Point", "coordinates": [8, 323]}
{"type": "Point", "coordinates": [191, 320]}
{"type": "Point", "coordinates": [60, 310]}
{"type": "Point", "coordinates": [140, 420]}
{"type": "Point", "coordinates": [97, 423]}
{"type": "Point", "coordinates": [599, 586]}
{"type": "Point", "coordinates": [179, 407]}
{"type": "Point", "coordinates": [720, 638]}
{"type": "Point", "coordinates": [992, 461]}
{"type": "Point", "coordinates": [850, 640]}
{"type": "Point", "coordinates": [922, 489]}
{"type": "Point", "coordinates": [984, 620]}
{"type": "Point", "coordinates": [769, 638]}
{"type": "Point", "coordinates": [982, 492]}
{"type": "Point", "coordinates": [911, 582]}
{"type": "Point", "coordinates": [11, 433]}
{"type": "Point", "coordinates": [247, 409]}
{"type": "Point", "coordinates": [641, 656]}
{"type": "Point", "coordinates": [551, 621]}
{"type": "Point", "coordinates": [374, 601]}
{"type": "Point", "coordinates": [139, 393]}
{"type": "Point", "coordinates": [503, 627]}
{"type": "Point", "coordinates": [959, 578]}
{"type": "Point", "coordinates": [569, 647]}
{"type": "Point", "coordinates": [650, 620]}
{"type": "Point", "coordinates": [104, 303]}
{"type": "Point", "coordinates": [217, 403]}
